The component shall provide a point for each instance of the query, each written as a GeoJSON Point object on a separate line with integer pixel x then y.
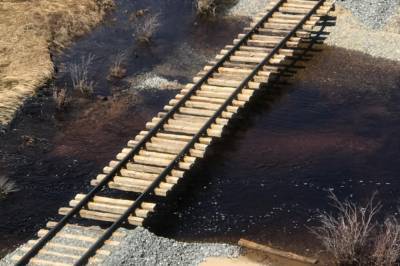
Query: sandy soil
{"type": "Point", "coordinates": [242, 260]}
{"type": "Point", "coordinates": [252, 258]}
{"type": "Point", "coordinates": [29, 30]}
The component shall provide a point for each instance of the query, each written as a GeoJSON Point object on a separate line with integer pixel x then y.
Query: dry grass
{"type": "Point", "coordinates": [7, 186]}
{"type": "Point", "coordinates": [206, 7]}
{"type": "Point", "coordinates": [353, 236]}
{"type": "Point", "coordinates": [61, 98]}
{"type": "Point", "coordinates": [28, 30]}
{"type": "Point", "coordinates": [79, 73]}
{"type": "Point", "coordinates": [346, 236]}
{"type": "Point", "coordinates": [117, 69]}
{"type": "Point", "coordinates": [387, 244]}
{"type": "Point", "coordinates": [146, 26]}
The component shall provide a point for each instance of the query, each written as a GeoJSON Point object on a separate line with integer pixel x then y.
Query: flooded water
{"type": "Point", "coordinates": [52, 155]}
{"type": "Point", "coordinates": [333, 129]}
{"type": "Point", "coordinates": [178, 50]}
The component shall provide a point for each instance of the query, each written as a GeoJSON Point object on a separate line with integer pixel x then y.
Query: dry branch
{"type": "Point", "coordinates": [288, 255]}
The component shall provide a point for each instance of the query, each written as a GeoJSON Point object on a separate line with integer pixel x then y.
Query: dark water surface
{"type": "Point", "coordinates": [334, 128]}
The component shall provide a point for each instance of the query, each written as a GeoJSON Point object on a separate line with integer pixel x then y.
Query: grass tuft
{"type": "Point", "coordinates": [60, 97]}
{"type": "Point", "coordinates": [117, 69]}
{"type": "Point", "coordinates": [146, 26]}
{"type": "Point", "coordinates": [206, 7]}
{"type": "Point", "coordinates": [347, 235]}
{"type": "Point", "coordinates": [387, 244]}
{"type": "Point", "coordinates": [80, 75]}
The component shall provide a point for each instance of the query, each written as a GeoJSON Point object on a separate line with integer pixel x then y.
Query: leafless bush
{"type": "Point", "coordinates": [60, 97]}
{"type": "Point", "coordinates": [146, 26]}
{"type": "Point", "coordinates": [347, 236]}
{"type": "Point", "coordinates": [206, 7]}
{"type": "Point", "coordinates": [386, 250]}
{"type": "Point", "coordinates": [7, 186]}
{"type": "Point", "coordinates": [80, 75]}
{"type": "Point", "coordinates": [117, 69]}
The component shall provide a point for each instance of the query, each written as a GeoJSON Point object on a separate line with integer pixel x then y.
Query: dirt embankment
{"type": "Point", "coordinates": [29, 30]}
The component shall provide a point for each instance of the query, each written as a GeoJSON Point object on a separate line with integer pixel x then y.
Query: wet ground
{"type": "Point", "coordinates": [334, 128]}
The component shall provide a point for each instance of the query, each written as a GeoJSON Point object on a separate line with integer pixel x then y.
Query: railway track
{"type": "Point", "coordinates": [154, 162]}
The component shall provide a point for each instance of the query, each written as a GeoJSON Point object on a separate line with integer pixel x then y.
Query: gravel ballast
{"type": "Point", "coordinates": [248, 8]}
{"type": "Point", "coordinates": [372, 13]}
{"type": "Point", "coordinates": [350, 34]}
{"type": "Point", "coordinates": [368, 26]}
{"type": "Point", "coordinates": [141, 247]}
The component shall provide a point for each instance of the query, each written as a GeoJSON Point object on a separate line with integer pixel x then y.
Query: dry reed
{"type": "Point", "coordinates": [80, 75]}
{"type": "Point", "coordinates": [61, 98]}
{"type": "Point", "coordinates": [206, 7]}
{"type": "Point", "coordinates": [117, 69]}
{"type": "Point", "coordinates": [145, 27]}
{"type": "Point", "coordinates": [347, 235]}
{"type": "Point", "coordinates": [386, 250]}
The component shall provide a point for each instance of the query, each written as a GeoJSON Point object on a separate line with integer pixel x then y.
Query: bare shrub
{"type": "Point", "coordinates": [80, 75]}
{"type": "Point", "coordinates": [7, 186]}
{"type": "Point", "coordinates": [386, 250]}
{"type": "Point", "coordinates": [61, 98]}
{"type": "Point", "coordinates": [146, 26]}
{"type": "Point", "coordinates": [206, 7]}
{"type": "Point", "coordinates": [347, 236]}
{"type": "Point", "coordinates": [117, 69]}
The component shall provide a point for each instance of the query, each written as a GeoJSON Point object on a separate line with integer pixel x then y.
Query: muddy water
{"type": "Point", "coordinates": [334, 128]}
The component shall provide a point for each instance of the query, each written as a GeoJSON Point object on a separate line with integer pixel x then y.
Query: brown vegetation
{"type": "Point", "coordinates": [61, 98]}
{"type": "Point", "coordinates": [353, 236]}
{"type": "Point", "coordinates": [79, 73]}
{"type": "Point", "coordinates": [387, 245]}
{"type": "Point", "coordinates": [146, 26]}
{"type": "Point", "coordinates": [206, 7]}
{"type": "Point", "coordinates": [117, 69]}
{"type": "Point", "coordinates": [29, 30]}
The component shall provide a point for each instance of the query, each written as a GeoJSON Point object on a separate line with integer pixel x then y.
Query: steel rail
{"type": "Point", "coordinates": [46, 238]}
{"type": "Point", "coordinates": [100, 241]}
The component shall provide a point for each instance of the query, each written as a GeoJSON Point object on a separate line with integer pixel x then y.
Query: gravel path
{"type": "Point", "coordinates": [141, 247]}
